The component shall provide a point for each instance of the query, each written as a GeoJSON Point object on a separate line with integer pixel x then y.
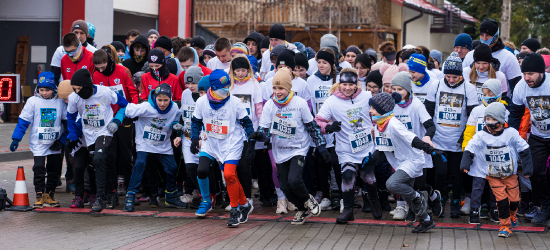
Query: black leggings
{"type": "Point", "coordinates": [540, 181]}
{"type": "Point", "coordinates": [192, 173]}
{"type": "Point", "coordinates": [451, 167]}
{"type": "Point", "coordinates": [323, 171]}
{"type": "Point", "coordinates": [289, 174]}
{"type": "Point", "coordinates": [244, 173]}
{"type": "Point", "coordinates": [102, 169]}
{"type": "Point", "coordinates": [81, 163]}
{"type": "Point", "coordinates": [262, 163]}
{"type": "Point", "coordinates": [41, 167]}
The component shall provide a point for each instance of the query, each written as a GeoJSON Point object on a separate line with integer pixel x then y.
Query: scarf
{"type": "Point", "coordinates": [77, 54]}
{"type": "Point", "coordinates": [242, 81]}
{"type": "Point", "coordinates": [284, 102]}
{"type": "Point", "coordinates": [488, 100]}
{"type": "Point", "coordinates": [216, 99]}
{"type": "Point", "coordinates": [271, 47]}
{"type": "Point", "coordinates": [423, 81]}
{"type": "Point", "coordinates": [323, 77]}
{"type": "Point", "coordinates": [138, 58]}
{"type": "Point", "coordinates": [383, 122]}
{"type": "Point", "coordinates": [406, 104]}
{"type": "Point", "coordinates": [456, 85]}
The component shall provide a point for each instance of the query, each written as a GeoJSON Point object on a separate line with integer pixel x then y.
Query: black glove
{"type": "Point", "coordinates": [324, 153]}
{"type": "Point", "coordinates": [334, 127]}
{"type": "Point", "coordinates": [251, 150]}
{"type": "Point", "coordinates": [257, 136]}
{"type": "Point", "coordinates": [195, 146]}
{"type": "Point", "coordinates": [73, 144]}
{"type": "Point", "coordinates": [56, 146]}
{"type": "Point", "coordinates": [436, 152]}
{"type": "Point", "coordinates": [127, 121]}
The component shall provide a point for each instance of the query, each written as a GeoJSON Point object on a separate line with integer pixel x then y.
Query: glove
{"type": "Point", "coordinates": [195, 146]}
{"type": "Point", "coordinates": [73, 144]}
{"type": "Point", "coordinates": [14, 145]}
{"type": "Point", "coordinates": [324, 153]}
{"type": "Point", "coordinates": [334, 127]}
{"type": "Point", "coordinates": [177, 127]}
{"type": "Point", "coordinates": [56, 146]}
{"type": "Point", "coordinates": [437, 152]}
{"type": "Point", "coordinates": [113, 126]}
{"type": "Point", "coordinates": [257, 136]}
{"type": "Point", "coordinates": [366, 161]}
{"type": "Point", "coordinates": [251, 150]}
{"type": "Point", "coordinates": [127, 121]}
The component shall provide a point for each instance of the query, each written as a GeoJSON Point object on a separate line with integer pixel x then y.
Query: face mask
{"type": "Point", "coordinates": [85, 93]}
{"type": "Point", "coordinates": [483, 74]}
{"type": "Point", "coordinates": [156, 72]}
{"type": "Point", "coordinates": [74, 55]}
{"type": "Point", "coordinates": [402, 102]}
{"type": "Point", "coordinates": [222, 92]}
{"type": "Point", "coordinates": [492, 126]}
{"type": "Point", "coordinates": [491, 40]}
{"type": "Point", "coordinates": [378, 117]}
{"type": "Point", "coordinates": [121, 58]}
{"type": "Point", "coordinates": [489, 100]}
{"type": "Point", "coordinates": [138, 58]}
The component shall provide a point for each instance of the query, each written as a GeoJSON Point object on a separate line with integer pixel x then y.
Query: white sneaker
{"type": "Point", "coordinates": [466, 207]}
{"type": "Point", "coordinates": [318, 196]}
{"type": "Point", "coordinates": [281, 206]}
{"type": "Point", "coordinates": [400, 213]}
{"type": "Point", "coordinates": [228, 208]}
{"type": "Point", "coordinates": [186, 198]}
{"type": "Point", "coordinates": [255, 184]}
{"type": "Point", "coordinates": [341, 205]}
{"type": "Point", "coordinates": [325, 204]}
{"type": "Point", "coordinates": [290, 206]}
{"type": "Point", "coordinates": [392, 212]}
{"type": "Point", "coordinates": [250, 200]}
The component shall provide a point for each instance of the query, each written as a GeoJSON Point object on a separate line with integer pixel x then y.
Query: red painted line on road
{"type": "Point", "coordinates": [183, 215]}
{"type": "Point", "coordinates": [518, 229]}
{"type": "Point", "coordinates": [136, 213]}
{"type": "Point", "coordinates": [63, 210]}
{"type": "Point", "coordinates": [379, 222]}
{"type": "Point", "coordinates": [452, 225]}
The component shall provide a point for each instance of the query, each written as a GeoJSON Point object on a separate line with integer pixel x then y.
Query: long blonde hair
{"type": "Point", "coordinates": [250, 72]}
{"type": "Point", "coordinates": [113, 52]}
{"type": "Point", "coordinates": [337, 85]}
{"type": "Point", "coordinates": [473, 73]}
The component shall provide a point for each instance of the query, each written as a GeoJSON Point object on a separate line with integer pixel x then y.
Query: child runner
{"type": "Point", "coordinates": [222, 46]}
{"type": "Point", "coordinates": [158, 75]}
{"type": "Point", "coordinates": [374, 82]}
{"type": "Point", "coordinates": [422, 81]}
{"type": "Point", "coordinates": [76, 57]}
{"type": "Point", "coordinates": [362, 64]}
{"type": "Point", "coordinates": [301, 66]}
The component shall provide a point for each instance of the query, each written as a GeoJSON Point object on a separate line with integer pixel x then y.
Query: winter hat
{"type": "Point", "coordinates": [364, 59]}
{"type": "Point", "coordinates": [493, 85]}
{"type": "Point", "coordinates": [496, 110]}
{"type": "Point", "coordinates": [239, 48]}
{"type": "Point", "coordinates": [204, 83]}
{"type": "Point", "coordinates": [372, 53]}
{"type": "Point", "coordinates": [533, 63]}
{"type": "Point", "coordinates": [283, 79]}
{"type": "Point", "coordinates": [286, 58]}
{"type": "Point", "coordinates": [453, 65]}
{"type": "Point", "coordinates": [193, 74]}
{"type": "Point", "coordinates": [409, 46]}
{"type": "Point", "coordinates": [199, 42]}
{"type": "Point", "coordinates": [301, 60]}
{"type": "Point", "coordinates": [403, 79]}
{"type": "Point", "coordinates": [209, 50]}
{"type": "Point", "coordinates": [483, 53]}
{"type": "Point", "coordinates": [277, 50]}
{"type": "Point", "coordinates": [531, 43]}
{"type": "Point", "coordinates": [256, 37]}
{"type": "Point", "coordinates": [463, 40]}
{"type": "Point", "coordinates": [253, 63]}
{"type": "Point", "coordinates": [405, 55]}
{"type": "Point", "coordinates": [83, 79]}
{"type": "Point", "coordinates": [81, 25]}
{"type": "Point", "coordinates": [46, 79]}
{"type": "Point", "coordinates": [165, 43]}
{"type": "Point", "coordinates": [475, 43]}
{"type": "Point", "coordinates": [489, 27]}
{"type": "Point", "coordinates": [64, 89]}
{"type": "Point", "coordinates": [436, 55]}
{"type": "Point", "coordinates": [219, 79]}
{"type": "Point", "coordinates": [522, 55]}
{"type": "Point", "coordinates": [152, 31]}
{"type": "Point", "coordinates": [264, 44]}
{"type": "Point", "coordinates": [375, 77]}
{"type": "Point", "coordinates": [389, 71]}
{"type": "Point", "coordinates": [91, 29]}
{"type": "Point", "coordinates": [417, 63]}
{"type": "Point", "coordinates": [277, 31]}
{"type": "Point", "coordinates": [329, 40]}
{"type": "Point", "coordinates": [384, 102]}
{"type": "Point", "coordinates": [240, 63]}
{"type": "Point", "coordinates": [300, 47]}
{"type": "Point", "coordinates": [353, 49]}
{"type": "Point", "coordinates": [156, 56]}
{"type": "Point", "coordinates": [327, 56]}
{"type": "Point", "coordinates": [163, 89]}
{"type": "Point", "coordinates": [118, 45]}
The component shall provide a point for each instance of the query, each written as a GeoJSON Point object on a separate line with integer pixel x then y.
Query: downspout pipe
{"type": "Point", "coordinates": [405, 26]}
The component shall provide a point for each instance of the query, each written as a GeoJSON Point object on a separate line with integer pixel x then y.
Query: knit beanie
{"type": "Point", "coordinates": [522, 55]}
{"type": "Point", "coordinates": [353, 49]}
{"type": "Point", "coordinates": [436, 55]}
{"type": "Point", "coordinates": [46, 79]}
{"type": "Point", "coordinates": [118, 45]}
{"type": "Point", "coordinates": [152, 31]}
{"type": "Point", "coordinates": [475, 43]}
{"type": "Point", "coordinates": [463, 40]}
{"type": "Point", "coordinates": [82, 78]}
{"type": "Point", "coordinates": [286, 58]}
{"type": "Point", "coordinates": [156, 56]}
{"type": "Point", "coordinates": [375, 77]}
{"type": "Point", "coordinates": [199, 42]}
{"type": "Point", "coordinates": [240, 63]}
{"type": "Point", "coordinates": [163, 89]}
{"type": "Point", "coordinates": [533, 63]}
{"type": "Point", "coordinates": [301, 60]}
{"type": "Point", "coordinates": [489, 27]}
{"type": "Point", "coordinates": [328, 40]}
{"type": "Point", "coordinates": [389, 71]}
{"type": "Point", "coordinates": [91, 29]}
{"type": "Point", "coordinates": [496, 110]}
{"type": "Point", "coordinates": [300, 47]}
{"type": "Point", "coordinates": [364, 59]}
{"type": "Point", "coordinates": [81, 25]}
{"type": "Point", "coordinates": [483, 53]}
{"type": "Point", "coordinates": [372, 53]}
{"type": "Point", "coordinates": [384, 102]}
{"type": "Point", "coordinates": [283, 79]}
{"type": "Point", "coordinates": [64, 89]}
{"type": "Point", "coordinates": [264, 44]}
{"type": "Point", "coordinates": [277, 31]}
{"type": "Point", "coordinates": [165, 43]}
{"type": "Point", "coordinates": [204, 83]}
{"type": "Point", "coordinates": [417, 63]}
{"type": "Point", "coordinates": [531, 43]}
{"type": "Point", "coordinates": [327, 56]}
{"type": "Point", "coordinates": [493, 85]}
{"type": "Point", "coordinates": [239, 48]}
{"type": "Point", "coordinates": [277, 50]}
{"type": "Point", "coordinates": [219, 79]}
{"type": "Point", "coordinates": [453, 65]}
{"type": "Point", "coordinates": [193, 74]}
{"type": "Point", "coordinates": [403, 80]}
{"type": "Point", "coordinates": [209, 50]}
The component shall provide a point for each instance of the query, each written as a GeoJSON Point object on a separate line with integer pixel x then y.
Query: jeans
{"type": "Point", "coordinates": [167, 162]}
{"type": "Point", "coordinates": [289, 174]}
{"type": "Point", "coordinates": [52, 167]}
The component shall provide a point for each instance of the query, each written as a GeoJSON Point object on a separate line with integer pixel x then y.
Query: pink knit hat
{"type": "Point", "coordinates": [389, 71]}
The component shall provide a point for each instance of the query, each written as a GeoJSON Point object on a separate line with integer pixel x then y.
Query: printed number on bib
{"type": "Point", "coordinates": [153, 136]}
{"type": "Point", "coordinates": [479, 91]}
{"type": "Point", "coordinates": [499, 161]}
{"type": "Point", "coordinates": [540, 112]}
{"type": "Point", "coordinates": [284, 128]}
{"type": "Point", "coordinates": [450, 109]}
{"type": "Point", "coordinates": [360, 141]}
{"type": "Point", "coordinates": [118, 89]}
{"type": "Point", "coordinates": [406, 120]}
{"type": "Point", "coordinates": [383, 141]}
{"type": "Point", "coordinates": [46, 135]}
{"type": "Point", "coordinates": [480, 123]}
{"type": "Point", "coordinates": [94, 122]}
{"type": "Point", "coordinates": [187, 114]}
{"type": "Point", "coordinates": [216, 128]}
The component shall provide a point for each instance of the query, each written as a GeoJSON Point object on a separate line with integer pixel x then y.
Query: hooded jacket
{"type": "Point", "coordinates": [131, 63]}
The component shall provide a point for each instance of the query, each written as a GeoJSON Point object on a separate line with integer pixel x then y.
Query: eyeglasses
{"type": "Point", "coordinates": [348, 77]}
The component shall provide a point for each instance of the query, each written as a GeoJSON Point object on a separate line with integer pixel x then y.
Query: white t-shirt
{"type": "Point", "coordinates": [215, 64]}
{"type": "Point", "coordinates": [58, 54]}
{"type": "Point", "coordinates": [299, 86]}
{"type": "Point", "coordinates": [224, 137]}
{"type": "Point", "coordinates": [477, 117]}
{"type": "Point", "coordinates": [413, 117]}
{"type": "Point", "coordinates": [495, 154]}
{"type": "Point", "coordinates": [153, 129]}
{"type": "Point", "coordinates": [45, 116]}
{"type": "Point", "coordinates": [250, 94]}
{"type": "Point", "coordinates": [354, 142]}
{"type": "Point", "coordinates": [438, 73]}
{"type": "Point", "coordinates": [269, 75]}
{"type": "Point", "coordinates": [313, 66]}
{"type": "Point", "coordinates": [420, 92]}
{"type": "Point", "coordinates": [319, 92]}
{"type": "Point", "coordinates": [450, 113]}
{"type": "Point", "coordinates": [537, 100]}
{"type": "Point", "coordinates": [286, 124]}
{"type": "Point", "coordinates": [96, 112]}
{"type": "Point", "coordinates": [509, 64]}
{"type": "Point", "coordinates": [187, 109]}
{"type": "Point", "coordinates": [482, 79]}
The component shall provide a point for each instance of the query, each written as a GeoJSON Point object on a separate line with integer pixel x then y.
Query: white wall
{"type": "Point", "coordinates": [100, 14]}
{"type": "Point", "coordinates": [182, 8]}
{"type": "Point", "coordinates": [418, 31]}
{"type": "Point", "coordinates": [29, 10]}
{"type": "Point", "coordinates": [443, 42]}
{"type": "Point", "coordinates": [147, 7]}
{"type": "Point", "coordinates": [124, 22]}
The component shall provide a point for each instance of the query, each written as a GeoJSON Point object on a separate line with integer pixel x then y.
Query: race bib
{"type": "Point", "coordinates": [360, 141]}
{"type": "Point", "coordinates": [480, 123]}
{"type": "Point", "coordinates": [321, 95]}
{"type": "Point", "coordinates": [46, 135]}
{"type": "Point", "coordinates": [187, 114]}
{"type": "Point", "coordinates": [499, 161]}
{"type": "Point", "coordinates": [450, 109]}
{"type": "Point", "coordinates": [285, 128]}
{"type": "Point", "coordinates": [246, 101]}
{"type": "Point", "coordinates": [539, 106]}
{"type": "Point", "coordinates": [383, 141]}
{"type": "Point", "coordinates": [216, 128]}
{"type": "Point", "coordinates": [153, 136]}
{"type": "Point", "coordinates": [118, 89]}
{"type": "Point", "coordinates": [94, 122]}
{"type": "Point", "coordinates": [406, 120]}
{"type": "Point", "coordinates": [421, 97]}
{"type": "Point", "coordinates": [479, 91]}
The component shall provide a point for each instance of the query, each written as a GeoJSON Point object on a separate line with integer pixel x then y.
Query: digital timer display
{"type": "Point", "coordinates": [10, 90]}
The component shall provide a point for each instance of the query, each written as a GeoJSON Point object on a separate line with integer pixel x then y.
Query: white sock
{"type": "Point", "coordinates": [428, 218]}
{"type": "Point", "coordinates": [245, 205]}
{"type": "Point", "coordinates": [416, 195]}
{"type": "Point", "coordinates": [401, 203]}
{"type": "Point", "coordinates": [280, 194]}
{"type": "Point", "coordinates": [432, 198]}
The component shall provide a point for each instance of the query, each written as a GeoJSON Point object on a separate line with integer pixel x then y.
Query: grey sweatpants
{"type": "Point", "coordinates": [402, 184]}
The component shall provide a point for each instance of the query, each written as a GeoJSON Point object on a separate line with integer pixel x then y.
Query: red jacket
{"type": "Point", "coordinates": [68, 67]}
{"type": "Point", "coordinates": [205, 71]}
{"type": "Point", "coordinates": [148, 83]}
{"type": "Point", "coordinates": [121, 82]}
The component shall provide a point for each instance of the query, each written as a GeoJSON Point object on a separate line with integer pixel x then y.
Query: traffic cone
{"type": "Point", "coordinates": [20, 195]}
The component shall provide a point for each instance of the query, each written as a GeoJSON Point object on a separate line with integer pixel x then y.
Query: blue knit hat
{"type": "Point", "coordinates": [463, 40]}
{"type": "Point", "coordinates": [253, 63]}
{"type": "Point", "coordinates": [417, 63]}
{"type": "Point", "coordinates": [453, 65]}
{"type": "Point", "coordinates": [219, 79]}
{"type": "Point", "coordinates": [91, 30]}
{"type": "Point", "coordinates": [204, 83]}
{"type": "Point", "coordinates": [384, 102]}
{"type": "Point", "coordinates": [46, 79]}
{"type": "Point", "coordinates": [163, 89]}
{"type": "Point", "coordinates": [300, 47]}
{"type": "Point", "coordinates": [436, 55]}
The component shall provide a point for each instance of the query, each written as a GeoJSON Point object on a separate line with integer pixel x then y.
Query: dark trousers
{"type": "Point", "coordinates": [451, 167]}
{"type": "Point", "coordinates": [120, 155]}
{"type": "Point", "coordinates": [167, 161]}
{"type": "Point", "coordinates": [289, 174]}
{"type": "Point", "coordinates": [262, 163]}
{"type": "Point", "coordinates": [69, 175]}
{"type": "Point", "coordinates": [192, 170]}
{"type": "Point", "coordinates": [100, 150]}
{"type": "Point", "coordinates": [540, 181]}
{"type": "Point", "coordinates": [41, 167]}
{"type": "Point", "coordinates": [81, 164]}
{"type": "Point", "coordinates": [323, 171]}
{"type": "Point", "coordinates": [244, 172]}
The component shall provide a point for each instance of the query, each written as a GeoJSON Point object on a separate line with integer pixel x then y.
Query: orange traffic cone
{"type": "Point", "coordinates": [20, 195]}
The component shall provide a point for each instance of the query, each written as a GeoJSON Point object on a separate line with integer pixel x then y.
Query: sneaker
{"type": "Point", "coordinates": [318, 196]}
{"type": "Point", "coordinates": [424, 226]}
{"type": "Point", "coordinates": [335, 203]}
{"type": "Point", "coordinates": [504, 232]}
{"type": "Point", "coordinates": [204, 208]}
{"type": "Point", "coordinates": [70, 188]}
{"type": "Point", "coordinates": [91, 199]}
{"type": "Point", "coordinates": [466, 207]}
{"type": "Point", "coordinates": [129, 202]}
{"type": "Point", "coordinates": [171, 199]}
{"type": "Point", "coordinates": [484, 212]}
{"type": "Point", "coordinates": [228, 208]}
{"type": "Point", "coordinates": [411, 217]}
{"type": "Point", "coordinates": [281, 206]}
{"type": "Point", "coordinates": [399, 213]}
{"type": "Point", "coordinates": [50, 201]}
{"type": "Point", "coordinates": [99, 205]}
{"type": "Point", "coordinates": [77, 202]}
{"type": "Point", "coordinates": [532, 213]}
{"type": "Point", "coordinates": [312, 205]}
{"type": "Point", "coordinates": [187, 198]}
{"type": "Point", "coordinates": [144, 198]}
{"type": "Point", "coordinates": [325, 204]}
{"type": "Point", "coordinates": [39, 203]}
{"type": "Point", "coordinates": [290, 206]}
{"type": "Point", "coordinates": [255, 184]}
{"type": "Point", "coordinates": [514, 221]}
{"type": "Point", "coordinates": [341, 205]}
{"type": "Point", "coordinates": [474, 216]}
{"type": "Point", "coordinates": [301, 217]}
{"type": "Point", "coordinates": [245, 212]}
{"type": "Point", "coordinates": [154, 201]}
{"type": "Point", "coordinates": [436, 204]}
{"type": "Point", "coordinates": [455, 208]}
{"type": "Point", "coordinates": [493, 215]}
{"type": "Point", "coordinates": [346, 216]}
{"type": "Point", "coordinates": [542, 218]}
{"type": "Point", "coordinates": [196, 202]}
{"type": "Point", "coordinates": [86, 199]}
{"type": "Point", "coordinates": [420, 203]}
{"type": "Point", "coordinates": [234, 217]}
{"type": "Point", "coordinates": [523, 209]}
{"type": "Point", "coordinates": [110, 200]}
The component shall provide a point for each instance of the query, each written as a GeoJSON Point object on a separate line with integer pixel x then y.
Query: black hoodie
{"type": "Point", "coordinates": [131, 63]}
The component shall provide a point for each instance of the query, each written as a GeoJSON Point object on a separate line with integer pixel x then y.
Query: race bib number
{"type": "Point", "coordinates": [118, 89]}
{"type": "Point", "coordinates": [153, 136]}
{"type": "Point", "coordinates": [95, 122]}
{"type": "Point", "coordinates": [383, 141]}
{"type": "Point", "coordinates": [406, 120]}
{"type": "Point", "coordinates": [479, 91]}
{"type": "Point", "coordinates": [421, 97]}
{"type": "Point", "coordinates": [499, 161]}
{"type": "Point", "coordinates": [539, 106]}
{"type": "Point", "coordinates": [216, 128]}
{"type": "Point", "coordinates": [285, 128]}
{"type": "Point", "coordinates": [450, 109]}
{"type": "Point", "coordinates": [360, 141]}
{"type": "Point", "coordinates": [187, 114]}
{"type": "Point", "coordinates": [480, 123]}
{"type": "Point", "coordinates": [46, 135]}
